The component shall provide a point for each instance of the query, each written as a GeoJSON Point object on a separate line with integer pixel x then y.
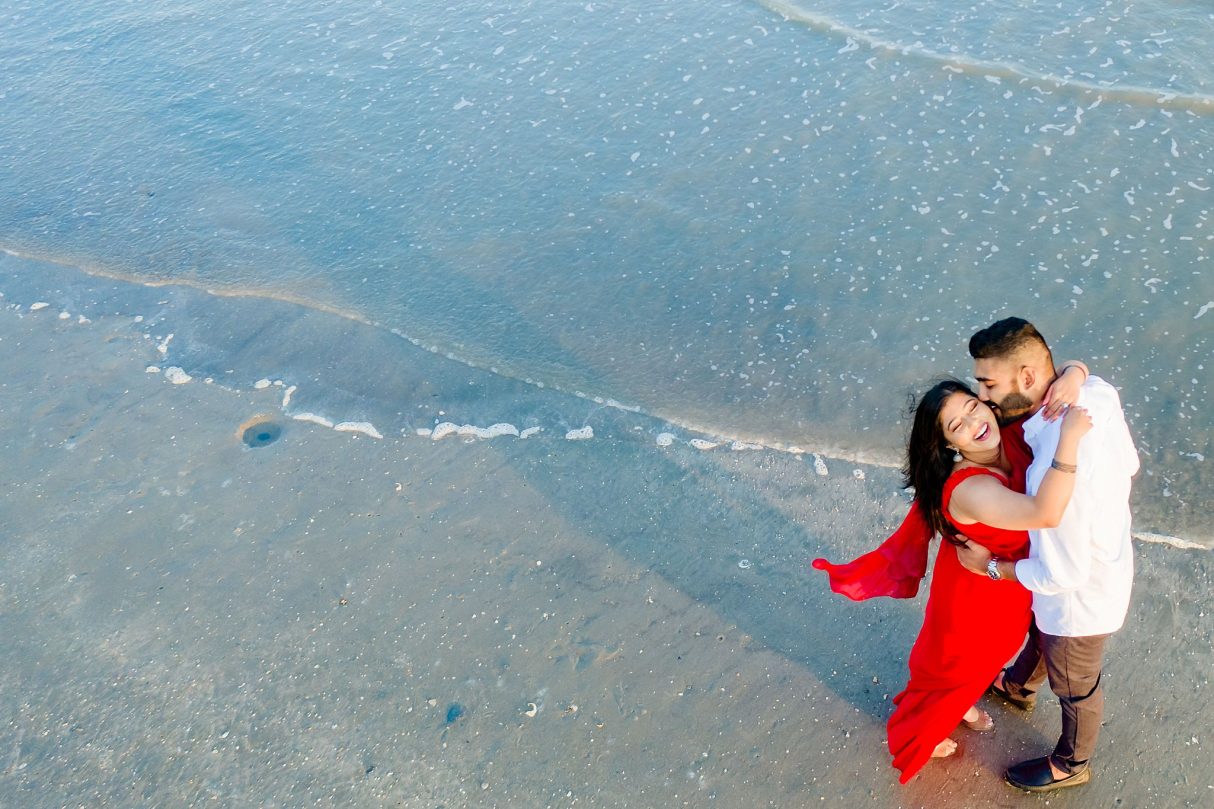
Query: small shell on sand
{"type": "Point", "coordinates": [532, 709]}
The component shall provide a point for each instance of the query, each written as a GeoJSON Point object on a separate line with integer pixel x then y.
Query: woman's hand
{"type": "Point", "coordinates": [1064, 392]}
{"type": "Point", "coordinates": [1076, 422]}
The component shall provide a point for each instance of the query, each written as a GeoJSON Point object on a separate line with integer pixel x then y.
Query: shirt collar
{"type": "Point", "coordinates": [1034, 424]}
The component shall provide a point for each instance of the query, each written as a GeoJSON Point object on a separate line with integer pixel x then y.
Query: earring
{"type": "Point", "coordinates": [956, 454]}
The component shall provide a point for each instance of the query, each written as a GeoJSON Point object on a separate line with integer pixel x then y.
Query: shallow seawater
{"type": "Point", "coordinates": [759, 221]}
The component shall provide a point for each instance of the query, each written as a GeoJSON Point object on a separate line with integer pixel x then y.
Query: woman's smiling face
{"type": "Point", "coordinates": [968, 424]}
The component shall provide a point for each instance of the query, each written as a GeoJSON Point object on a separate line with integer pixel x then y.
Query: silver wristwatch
{"type": "Point", "coordinates": [992, 569]}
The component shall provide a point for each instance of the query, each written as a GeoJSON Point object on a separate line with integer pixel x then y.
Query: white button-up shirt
{"type": "Point", "coordinates": [1081, 572]}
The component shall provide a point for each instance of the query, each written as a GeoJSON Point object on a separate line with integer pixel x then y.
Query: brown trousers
{"type": "Point", "coordinates": [1073, 667]}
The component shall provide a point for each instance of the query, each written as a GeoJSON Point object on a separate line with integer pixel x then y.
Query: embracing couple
{"type": "Point", "coordinates": [1027, 481]}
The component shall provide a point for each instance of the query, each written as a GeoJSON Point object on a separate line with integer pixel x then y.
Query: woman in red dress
{"type": "Point", "coordinates": [967, 482]}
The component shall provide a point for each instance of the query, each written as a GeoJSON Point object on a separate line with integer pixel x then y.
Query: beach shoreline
{"type": "Point", "coordinates": [335, 368]}
{"type": "Point", "coordinates": [336, 619]}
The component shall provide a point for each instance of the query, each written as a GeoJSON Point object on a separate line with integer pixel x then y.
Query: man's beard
{"type": "Point", "coordinates": [1012, 407]}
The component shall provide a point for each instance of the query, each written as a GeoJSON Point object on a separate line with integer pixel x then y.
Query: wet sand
{"type": "Point", "coordinates": [334, 620]}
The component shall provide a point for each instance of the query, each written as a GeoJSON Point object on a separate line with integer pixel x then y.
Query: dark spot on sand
{"type": "Point", "coordinates": [261, 434]}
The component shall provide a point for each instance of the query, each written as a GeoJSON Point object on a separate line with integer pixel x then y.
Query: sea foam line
{"type": "Point", "coordinates": [1175, 542]}
{"type": "Point", "coordinates": [1126, 94]}
{"type": "Point", "coordinates": [870, 457]}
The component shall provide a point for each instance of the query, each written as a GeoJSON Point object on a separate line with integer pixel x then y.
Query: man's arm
{"type": "Point", "coordinates": [975, 558]}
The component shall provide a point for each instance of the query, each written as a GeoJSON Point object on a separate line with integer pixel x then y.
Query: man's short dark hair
{"type": "Point", "coordinates": [1007, 338]}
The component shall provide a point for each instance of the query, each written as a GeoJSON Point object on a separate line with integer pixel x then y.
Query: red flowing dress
{"type": "Point", "coordinates": [972, 626]}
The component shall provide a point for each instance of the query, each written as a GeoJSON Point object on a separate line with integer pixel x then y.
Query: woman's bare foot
{"type": "Point", "coordinates": [978, 720]}
{"type": "Point", "coordinates": [945, 749]}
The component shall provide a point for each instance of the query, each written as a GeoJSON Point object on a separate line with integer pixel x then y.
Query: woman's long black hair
{"type": "Point", "coordinates": [929, 461]}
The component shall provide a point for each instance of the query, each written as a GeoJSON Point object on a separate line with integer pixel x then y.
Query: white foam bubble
{"type": "Point", "coordinates": [530, 431]}
{"type": "Point", "coordinates": [738, 446]}
{"type": "Point", "coordinates": [820, 465]}
{"type": "Point", "coordinates": [163, 348]}
{"type": "Point", "coordinates": [443, 430]}
{"type": "Point", "coordinates": [1175, 542]}
{"type": "Point", "coordinates": [313, 418]}
{"type": "Point", "coordinates": [34, 307]}
{"type": "Point", "coordinates": [363, 427]}
{"type": "Point", "coordinates": [65, 315]}
{"type": "Point", "coordinates": [580, 435]}
{"type": "Point", "coordinates": [665, 439]}
{"type": "Point", "coordinates": [176, 375]}
{"type": "Point", "coordinates": [153, 369]}
{"type": "Point", "coordinates": [701, 443]}
{"type": "Point", "coordinates": [858, 474]}
{"type": "Point", "coordinates": [472, 431]}
{"type": "Point", "coordinates": [286, 396]}
{"type": "Point", "coordinates": [1204, 308]}
{"type": "Point", "coordinates": [261, 384]}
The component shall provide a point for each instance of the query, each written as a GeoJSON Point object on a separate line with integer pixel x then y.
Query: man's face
{"type": "Point", "coordinates": [999, 386]}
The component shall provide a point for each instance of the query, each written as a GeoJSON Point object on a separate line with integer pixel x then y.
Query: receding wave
{"type": "Point", "coordinates": [871, 457]}
{"type": "Point", "coordinates": [996, 70]}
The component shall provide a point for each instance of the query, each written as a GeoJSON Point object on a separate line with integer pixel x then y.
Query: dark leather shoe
{"type": "Point", "coordinates": [1026, 705]}
{"type": "Point", "coordinates": [1035, 775]}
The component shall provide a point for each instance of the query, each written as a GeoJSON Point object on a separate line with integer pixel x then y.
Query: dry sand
{"type": "Point", "coordinates": [334, 620]}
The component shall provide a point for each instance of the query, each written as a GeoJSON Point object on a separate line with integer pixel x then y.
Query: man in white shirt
{"type": "Point", "coordinates": [1080, 572]}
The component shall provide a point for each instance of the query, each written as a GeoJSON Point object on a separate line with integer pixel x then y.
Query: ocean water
{"type": "Point", "coordinates": [762, 221]}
